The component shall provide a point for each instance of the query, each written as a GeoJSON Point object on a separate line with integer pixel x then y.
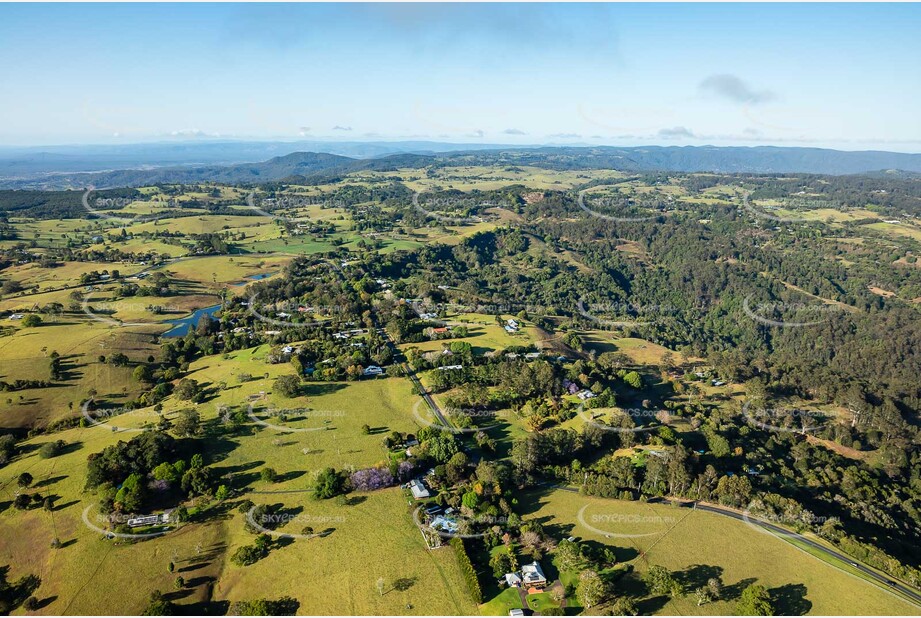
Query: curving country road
{"type": "Point", "coordinates": [884, 582]}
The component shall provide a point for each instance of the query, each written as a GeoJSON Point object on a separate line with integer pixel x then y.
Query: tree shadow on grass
{"type": "Point", "coordinates": [290, 476]}
{"type": "Point", "coordinates": [241, 480]}
{"type": "Point", "coordinates": [354, 500]}
{"type": "Point", "coordinates": [193, 567]}
{"type": "Point", "coordinates": [623, 554]}
{"type": "Point", "coordinates": [790, 600]}
{"type": "Point", "coordinates": [175, 595]}
{"type": "Point", "coordinates": [61, 507]}
{"type": "Point", "coordinates": [49, 481]}
{"type": "Point", "coordinates": [314, 389]}
{"type": "Point", "coordinates": [70, 447]}
{"type": "Point", "coordinates": [652, 605]}
{"type": "Point", "coordinates": [697, 575]}
{"type": "Point", "coordinates": [201, 580]}
{"type": "Point", "coordinates": [734, 591]}
{"type": "Point", "coordinates": [632, 585]}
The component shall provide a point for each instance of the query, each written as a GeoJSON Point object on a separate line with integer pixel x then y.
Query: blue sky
{"type": "Point", "coordinates": [834, 75]}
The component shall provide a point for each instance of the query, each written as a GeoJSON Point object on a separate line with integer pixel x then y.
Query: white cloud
{"type": "Point", "coordinates": [734, 88]}
{"type": "Point", "coordinates": [676, 133]}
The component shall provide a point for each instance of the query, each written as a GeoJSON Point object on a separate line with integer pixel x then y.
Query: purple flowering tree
{"type": "Point", "coordinates": [405, 471]}
{"type": "Point", "coordinates": [371, 479]}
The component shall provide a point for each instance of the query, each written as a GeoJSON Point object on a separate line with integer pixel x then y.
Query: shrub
{"type": "Point", "coordinates": [269, 475]}
{"type": "Point", "coordinates": [329, 484]}
{"type": "Point", "coordinates": [285, 606]}
{"type": "Point", "coordinates": [467, 570]}
{"type": "Point", "coordinates": [51, 449]}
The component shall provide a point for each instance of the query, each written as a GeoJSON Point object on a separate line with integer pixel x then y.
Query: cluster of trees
{"type": "Point", "coordinates": [19, 593]}
{"type": "Point", "coordinates": [124, 475]}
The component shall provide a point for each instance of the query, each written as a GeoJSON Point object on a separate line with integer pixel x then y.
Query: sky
{"type": "Point", "coordinates": [830, 75]}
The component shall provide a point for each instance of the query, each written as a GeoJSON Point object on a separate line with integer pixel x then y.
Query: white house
{"type": "Point", "coordinates": [148, 520]}
{"type": "Point", "coordinates": [373, 370]}
{"type": "Point", "coordinates": [420, 491]}
{"type": "Point", "coordinates": [533, 576]}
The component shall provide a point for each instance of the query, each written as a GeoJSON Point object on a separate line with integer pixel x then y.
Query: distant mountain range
{"type": "Point", "coordinates": [63, 169]}
{"type": "Point", "coordinates": [31, 161]}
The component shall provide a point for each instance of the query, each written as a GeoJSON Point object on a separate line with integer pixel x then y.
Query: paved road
{"type": "Point", "coordinates": [783, 532]}
{"type": "Point", "coordinates": [408, 371]}
{"type": "Point", "coordinates": [425, 395]}
{"type": "Point", "coordinates": [882, 580]}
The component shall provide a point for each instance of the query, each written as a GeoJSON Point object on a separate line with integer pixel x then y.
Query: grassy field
{"type": "Point", "coordinates": [68, 274]}
{"type": "Point", "coordinates": [24, 354]}
{"type": "Point", "coordinates": [484, 178]}
{"type": "Point", "coordinates": [337, 574]}
{"type": "Point", "coordinates": [222, 270]}
{"type": "Point", "coordinates": [89, 575]}
{"type": "Point", "coordinates": [896, 230]}
{"type": "Point", "coordinates": [696, 545]}
{"type": "Point", "coordinates": [640, 351]}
